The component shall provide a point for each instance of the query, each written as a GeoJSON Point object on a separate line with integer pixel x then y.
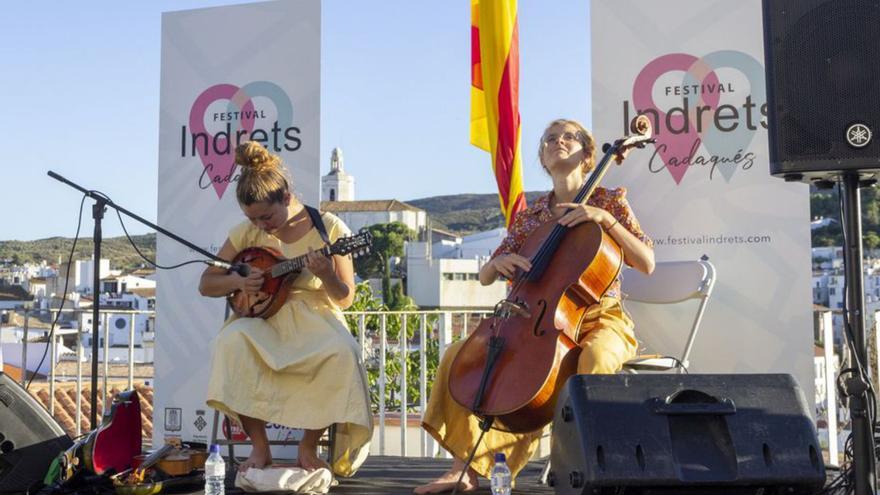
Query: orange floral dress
{"type": "Point", "coordinates": [611, 200]}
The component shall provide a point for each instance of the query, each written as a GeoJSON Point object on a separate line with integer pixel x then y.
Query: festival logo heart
{"type": "Point", "coordinates": [732, 142]}
{"type": "Point", "coordinates": [283, 106]}
{"type": "Point", "coordinates": [679, 130]}
{"type": "Point", "coordinates": [217, 156]}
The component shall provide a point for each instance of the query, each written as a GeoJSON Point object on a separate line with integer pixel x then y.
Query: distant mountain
{"type": "Point", "coordinates": [459, 213]}
{"type": "Point", "coordinates": [116, 249]}
{"type": "Point", "coordinates": [466, 213]}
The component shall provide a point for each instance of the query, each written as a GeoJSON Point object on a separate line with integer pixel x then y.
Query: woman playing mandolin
{"type": "Point", "coordinates": [606, 339]}
{"type": "Point", "coordinates": [300, 367]}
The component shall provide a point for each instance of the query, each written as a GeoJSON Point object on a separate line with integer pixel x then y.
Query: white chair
{"type": "Point", "coordinates": [672, 282]}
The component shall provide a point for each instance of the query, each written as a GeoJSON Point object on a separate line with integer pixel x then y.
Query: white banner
{"type": "Point", "coordinates": [695, 67]}
{"type": "Point", "coordinates": [229, 74]}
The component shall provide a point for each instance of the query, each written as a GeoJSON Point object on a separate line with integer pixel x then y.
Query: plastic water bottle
{"type": "Point", "coordinates": [215, 472]}
{"type": "Point", "coordinates": [500, 476]}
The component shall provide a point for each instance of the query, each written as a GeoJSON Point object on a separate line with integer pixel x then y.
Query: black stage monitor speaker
{"type": "Point", "coordinates": [669, 434]}
{"type": "Point", "coordinates": [29, 439]}
{"type": "Point", "coordinates": [823, 87]}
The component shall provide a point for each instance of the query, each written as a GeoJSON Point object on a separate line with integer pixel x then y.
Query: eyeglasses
{"type": "Point", "coordinates": [567, 137]}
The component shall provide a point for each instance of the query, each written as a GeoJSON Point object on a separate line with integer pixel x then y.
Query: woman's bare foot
{"type": "Point", "coordinates": [259, 459]}
{"type": "Point", "coordinates": [308, 451]}
{"type": "Point", "coordinates": [261, 455]}
{"type": "Point", "coordinates": [447, 481]}
{"type": "Point", "coordinates": [308, 459]}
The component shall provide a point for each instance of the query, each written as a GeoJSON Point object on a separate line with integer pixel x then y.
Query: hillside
{"type": "Point", "coordinates": [459, 213]}
{"type": "Point", "coordinates": [466, 213]}
{"type": "Point", "coordinates": [116, 249]}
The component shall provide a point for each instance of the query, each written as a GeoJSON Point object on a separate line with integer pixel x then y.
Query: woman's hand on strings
{"type": "Point", "coordinates": [253, 282]}
{"type": "Point", "coordinates": [581, 213]}
{"type": "Point", "coordinates": [318, 264]}
{"type": "Point", "coordinates": [506, 264]}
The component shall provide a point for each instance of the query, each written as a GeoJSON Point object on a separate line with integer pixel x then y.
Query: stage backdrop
{"type": "Point", "coordinates": [250, 72]}
{"type": "Point", "coordinates": [696, 68]}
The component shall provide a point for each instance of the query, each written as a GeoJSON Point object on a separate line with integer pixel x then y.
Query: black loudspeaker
{"type": "Point", "coordinates": [695, 434]}
{"type": "Point", "coordinates": [823, 87]}
{"type": "Point", "coordinates": [29, 439]}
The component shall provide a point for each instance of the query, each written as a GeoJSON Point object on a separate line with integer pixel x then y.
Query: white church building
{"type": "Point", "coordinates": [441, 274]}
{"type": "Point", "coordinates": [337, 194]}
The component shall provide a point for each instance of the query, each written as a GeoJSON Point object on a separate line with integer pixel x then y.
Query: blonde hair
{"type": "Point", "coordinates": [584, 137]}
{"type": "Point", "coordinates": [263, 176]}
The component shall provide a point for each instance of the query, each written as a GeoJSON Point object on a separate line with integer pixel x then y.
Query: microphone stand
{"type": "Point", "coordinates": [101, 204]}
{"type": "Point", "coordinates": [857, 386]}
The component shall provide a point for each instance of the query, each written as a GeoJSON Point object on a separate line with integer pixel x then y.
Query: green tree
{"type": "Point", "coordinates": [388, 241]}
{"type": "Point", "coordinates": [871, 240]}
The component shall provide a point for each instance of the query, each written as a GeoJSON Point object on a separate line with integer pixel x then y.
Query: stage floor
{"type": "Point", "coordinates": [399, 475]}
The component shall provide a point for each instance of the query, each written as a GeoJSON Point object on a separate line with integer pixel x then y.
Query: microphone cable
{"type": "Point", "coordinates": [63, 299]}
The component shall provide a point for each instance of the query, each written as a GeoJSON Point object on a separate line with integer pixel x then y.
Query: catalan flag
{"type": "Point", "coordinates": [495, 123]}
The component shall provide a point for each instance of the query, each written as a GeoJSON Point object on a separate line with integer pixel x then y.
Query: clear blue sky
{"type": "Point", "coordinates": [80, 86]}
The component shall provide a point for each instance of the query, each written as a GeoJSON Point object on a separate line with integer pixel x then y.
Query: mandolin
{"type": "Point", "coordinates": [279, 274]}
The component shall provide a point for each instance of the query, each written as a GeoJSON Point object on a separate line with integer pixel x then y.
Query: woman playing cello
{"type": "Point", "coordinates": [606, 338]}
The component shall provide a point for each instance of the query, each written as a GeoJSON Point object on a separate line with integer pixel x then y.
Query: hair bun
{"type": "Point", "coordinates": [252, 154]}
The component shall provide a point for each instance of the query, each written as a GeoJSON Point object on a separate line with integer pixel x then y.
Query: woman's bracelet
{"type": "Point", "coordinates": [612, 226]}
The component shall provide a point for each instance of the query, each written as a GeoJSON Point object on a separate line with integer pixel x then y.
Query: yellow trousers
{"type": "Point", "coordinates": [607, 341]}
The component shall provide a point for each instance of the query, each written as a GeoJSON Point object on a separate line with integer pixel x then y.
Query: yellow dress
{"type": "Point", "coordinates": [606, 340]}
{"type": "Point", "coordinates": [300, 368]}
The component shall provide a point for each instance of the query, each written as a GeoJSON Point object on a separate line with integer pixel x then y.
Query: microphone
{"type": "Point", "coordinates": [238, 268]}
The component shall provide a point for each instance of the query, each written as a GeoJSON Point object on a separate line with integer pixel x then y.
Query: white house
{"type": "Point", "coordinates": [81, 276]}
{"type": "Point", "coordinates": [125, 283]}
{"type": "Point", "coordinates": [820, 222]}
{"type": "Point", "coordinates": [446, 273]}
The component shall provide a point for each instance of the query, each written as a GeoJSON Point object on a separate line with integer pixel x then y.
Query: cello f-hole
{"type": "Point", "coordinates": [535, 331]}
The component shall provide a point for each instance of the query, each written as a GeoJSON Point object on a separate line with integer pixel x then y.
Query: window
{"type": "Point", "coordinates": [447, 276]}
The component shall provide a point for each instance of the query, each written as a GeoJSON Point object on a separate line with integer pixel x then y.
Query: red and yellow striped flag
{"type": "Point", "coordinates": [495, 123]}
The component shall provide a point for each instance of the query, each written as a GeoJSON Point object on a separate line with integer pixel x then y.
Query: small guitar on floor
{"type": "Point", "coordinates": [279, 274]}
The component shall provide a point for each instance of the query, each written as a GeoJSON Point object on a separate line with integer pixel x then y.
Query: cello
{"type": "Point", "coordinates": [511, 368]}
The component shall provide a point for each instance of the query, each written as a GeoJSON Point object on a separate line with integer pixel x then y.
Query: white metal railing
{"type": "Point", "coordinates": [831, 369]}
{"type": "Point", "coordinates": [380, 353]}
{"type": "Point", "coordinates": [57, 339]}
{"type": "Point", "coordinates": [433, 325]}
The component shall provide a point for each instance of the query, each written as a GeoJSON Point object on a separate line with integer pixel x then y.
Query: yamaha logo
{"type": "Point", "coordinates": [858, 135]}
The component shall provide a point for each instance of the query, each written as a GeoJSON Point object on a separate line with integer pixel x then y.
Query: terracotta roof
{"type": "Point", "coordinates": [370, 205]}
{"type": "Point", "coordinates": [444, 232]}
{"type": "Point", "coordinates": [14, 372]}
{"type": "Point", "coordinates": [14, 293]}
{"type": "Point", "coordinates": [65, 404]}
{"type": "Point", "coordinates": [18, 320]}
